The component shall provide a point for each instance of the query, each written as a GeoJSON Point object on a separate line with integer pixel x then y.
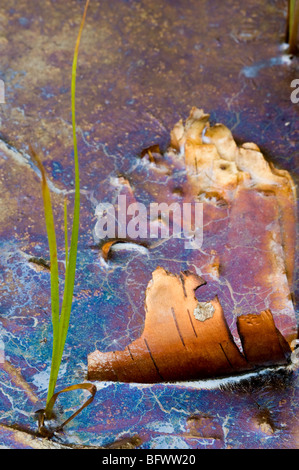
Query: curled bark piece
{"type": "Point", "coordinates": [262, 342]}
{"type": "Point", "coordinates": [107, 247]}
{"type": "Point", "coordinates": [186, 340]}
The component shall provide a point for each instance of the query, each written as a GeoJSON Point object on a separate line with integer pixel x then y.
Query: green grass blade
{"type": "Point", "coordinates": [72, 257]}
{"type": "Point", "coordinates": [66, 247]}
{"type": "Point", "coordinates": [50, 226]}
{"type": "Point", "coordinates": [71, 271]}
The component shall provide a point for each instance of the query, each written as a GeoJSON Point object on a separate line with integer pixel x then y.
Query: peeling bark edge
{"type": "Point", "coordinates": [180, 350]}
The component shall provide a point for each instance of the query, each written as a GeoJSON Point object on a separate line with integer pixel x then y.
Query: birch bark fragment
{"type": "Point", "coordinates": [249, 231]}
